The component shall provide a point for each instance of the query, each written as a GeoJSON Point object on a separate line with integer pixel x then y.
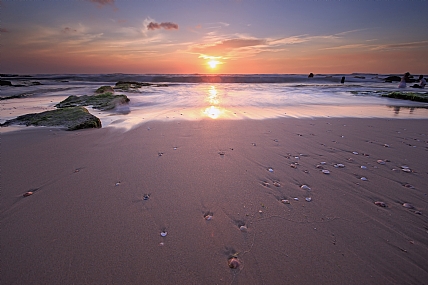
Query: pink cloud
{"type": "Point", "coordinates": [164, 25]}
{"type": "Point", "coordinates": [227, 45]}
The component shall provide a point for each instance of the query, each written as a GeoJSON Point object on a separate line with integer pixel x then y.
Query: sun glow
{"type": "Point", "coordinates": [213, 63]}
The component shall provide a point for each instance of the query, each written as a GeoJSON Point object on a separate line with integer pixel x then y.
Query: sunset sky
{"type": "Point", "coordinates": [213, 36]}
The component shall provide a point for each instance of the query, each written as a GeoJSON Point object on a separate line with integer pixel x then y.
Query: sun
{"type": "Point", "coordinates": [213, 63]}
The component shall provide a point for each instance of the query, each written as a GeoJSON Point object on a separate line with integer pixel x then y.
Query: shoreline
{"type": "Point", "coordinates": [88, 222]}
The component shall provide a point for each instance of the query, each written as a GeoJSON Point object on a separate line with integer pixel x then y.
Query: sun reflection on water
{"type": "Point", "coordinates": [213, 98]}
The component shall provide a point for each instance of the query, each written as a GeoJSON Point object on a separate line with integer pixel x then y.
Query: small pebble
{"type": "Point", "coordinates": [381, 162]}
{"type": "Point", "coordinates": [163, 233]}
{"type": "Point", "coordinates": [117, 184]}
{"type": "Point", "coordinates": [277, 184]}
{"type": "Point", "coordinates": [323, 163]}
{"type": "Point", "coordinates": [386, 145]}
{"type": "Point", "coordinates": [270, 169]}
{"type": "Point", "coordinates": [296, 199]}
{"type": "Point", "coordinates": [305, 187]}
{"type": "Point", "coordinates": [26, 194]}
{"type": "Point", "coordinates": [325, 171]}
{"type": "Point", "coordinates": [233, 262]}
{"type": "Point", "coordinates": [380, 204]}
{"type": "Point", "coordinates": [339, 165]}
{"type": "Point", "coordinates": [408, 206]}
{"type": "Point", "coordinates": [363, 167]}
{"type": "Point", "coordinates": [354, 152]}
{"type": "Point", "coordinates": [243, 228]}
{"type": "Point", "coordinates": [284, 201]}
{"type": "Point", "coordinates": [406, 170]}
{"type": "Point", "coordinates": [364, 178]}
{"type": "Point", "coordinates": [308, 199]}
{"type": "Point", "coordinates": [146, 197]}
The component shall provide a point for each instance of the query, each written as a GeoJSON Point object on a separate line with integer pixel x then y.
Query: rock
{"type": "Point", "coordinates": [73, 118]}
{"type": "Point", "coordinates": [420, 97]}
{"type": "Point", "coordinates": [5, 83]}
{"type": "Point", "coordinates": [233, 262]}
{"type": "Point", "coordinates": [104, 89]}
{"type": "Point", "coordinates": [103, 102]}
{"type": "Point", "coordinates": [393, 78]}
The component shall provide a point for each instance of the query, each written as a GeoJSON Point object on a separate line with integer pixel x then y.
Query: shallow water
{"type": "Point", "coordinates": [241, 97]}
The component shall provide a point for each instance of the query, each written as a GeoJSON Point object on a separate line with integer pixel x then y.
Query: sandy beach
{"type": "Point", "coordinates": [217, 189]}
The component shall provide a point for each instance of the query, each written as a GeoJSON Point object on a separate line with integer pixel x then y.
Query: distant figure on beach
{"type": "Point", "coordinates": [343, 80]}
{"type": "Point", "coordinates": [310, 75]}
{"type": "Point", "coordinates": [422, 82]}
{"type": "Point", "coordinates": [403, 80]}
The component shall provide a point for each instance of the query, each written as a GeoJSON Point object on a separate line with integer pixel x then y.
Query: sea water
{"type": "Point", "coordinates": [195, 97]}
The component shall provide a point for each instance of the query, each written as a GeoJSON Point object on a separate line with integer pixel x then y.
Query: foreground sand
{"type": "Point", "coordinates": [87, 221]}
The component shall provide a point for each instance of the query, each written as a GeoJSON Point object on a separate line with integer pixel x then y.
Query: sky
{"type": "Point", "coordinates": [214, 36]}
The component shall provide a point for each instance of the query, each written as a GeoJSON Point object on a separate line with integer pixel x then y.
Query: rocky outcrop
{"type": "Point", "coordinates": [5, 83]}
{"type": "Point", "coordinates": [420, 97]}
{"type": "Point", "coordinates": [132, 86]}
{"type": "Point", "coordinates": [103, 102]}
{"type": "Point", "coordinates": [73, 118]}
{"type": "Point", "coordinates": [104, 89]}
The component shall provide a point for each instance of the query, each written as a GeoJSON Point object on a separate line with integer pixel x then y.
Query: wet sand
{"type": "Point", "coordinates": [101, 199]}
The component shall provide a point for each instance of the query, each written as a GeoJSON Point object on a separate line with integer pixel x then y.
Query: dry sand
{"type": "Point", "coordinates": [87, 221]}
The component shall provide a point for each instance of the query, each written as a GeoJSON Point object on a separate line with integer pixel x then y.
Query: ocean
{"type": "Point", "coordinates": [195, 97]}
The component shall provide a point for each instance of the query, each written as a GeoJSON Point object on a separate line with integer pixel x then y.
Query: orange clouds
{"type": "Point", "coordinates": [165, 25]}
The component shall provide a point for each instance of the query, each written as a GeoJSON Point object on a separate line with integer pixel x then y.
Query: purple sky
{"type": "Point", "coordinates": [241, 36]}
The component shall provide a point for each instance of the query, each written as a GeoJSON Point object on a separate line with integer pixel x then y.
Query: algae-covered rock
{"type": "Point", "coordinates": [420, 97]}
{"type": "Point", "coordinates": [103, 102]}
{"type": "Point", "coordinates": [73, 118]}
{"type": "Point", "coordinates": [132, 86]}
{"type": "Point", "coordinates": [104, 89]}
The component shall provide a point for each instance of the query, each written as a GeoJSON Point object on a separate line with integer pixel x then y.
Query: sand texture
{"type": "Point", "coordinates": [217, 189]}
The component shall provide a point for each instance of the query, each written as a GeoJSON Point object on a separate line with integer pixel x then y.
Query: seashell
{"type": "Point", "coordinates": [221, 153]}
{"type": "Point", "coordinates": [363, 167]}
{"type": "Point", "coordinates": [117, 183]}
{"type": "Point", "coordinates": [339, 165]}
{"type": "Point", "coordinates": [380, 161]}
{"type": "Point", "coordinates": [408, 206]}
{"type": "Point", "coordinates": [160, 153]}
{"type": "Point", "coordinates": [234, 262]}
{"type": "Point", "coordinates": [308, 199]}
{"type": "Point", "coordinates": [163, 233]}
{"type": "Point", "coordinates": [26, 194]}
{"type": "Point", "coordinates": [146, 197]}
{"type": "Point", "coordinates": [380, 204]}
{"type": "Point", "coordinates": [364, 178]}
{"type": "Point", "coordinates": [208, 217]}
{"type": "Point", "coordinates": [386, 145]}
{"type": "Point", "coordinates": [270, 169]}
{"type": "Point", "coordinates": [284, 201]}
{"type": "Point", "coordinates": [175, 148]}
{"type": "Point", "coordinates": [405, 167]}
{"type": "Point", "coordinates": [305, 187]}
{"type": "Point", "coordinates": [265, 183]}
{"type": "Point", "coordinates": [323, 163]}
{"type": "Point", "coordinates": [277, 184]}
{"type": "Point", "coordinates": [409, 186]}
{"type": "Point", "coordinates": [319, 166]}
{"type": "Point", "coordinates": [325, 171]}
{"type": "Point", "coordinates": [354, 152]}
{"type": "Point", "coordinates": [406, 170]}
{"type": "Point", "coordinates": [418, 212]}
{"type": "Point", "coordinates": [254, 144]}
{"type": "Point", "coordinates": [293, 165]}
{"type": "Point", "coordinates": [296, 199]}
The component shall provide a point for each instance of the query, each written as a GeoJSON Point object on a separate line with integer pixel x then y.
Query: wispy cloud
{"type": "Point", "coordinates": [102, 2]}
{"type": "Point", "coordinates": [164, 25]}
